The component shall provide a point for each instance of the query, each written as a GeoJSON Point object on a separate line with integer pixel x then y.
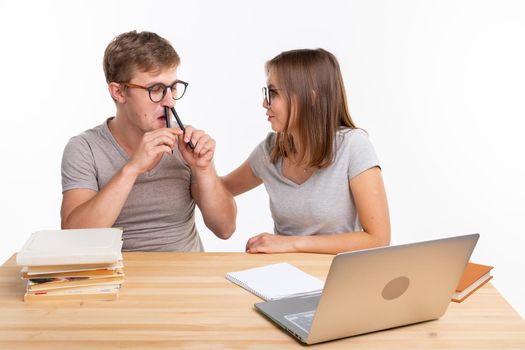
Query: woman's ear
{"type": "Point", "coordinates": [117, 93]}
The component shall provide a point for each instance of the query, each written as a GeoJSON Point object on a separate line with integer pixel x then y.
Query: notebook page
{"type": "Point", "coordinates": [276, 281]}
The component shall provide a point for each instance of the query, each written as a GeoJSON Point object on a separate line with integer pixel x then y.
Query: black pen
{"type": "Point", "coordinates": [181, 126]}
{"type": "Point", "coordinates": [167, 112]}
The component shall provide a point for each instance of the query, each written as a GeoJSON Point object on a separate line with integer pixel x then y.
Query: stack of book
{"type": "Point", "coordinates": [83, 264]}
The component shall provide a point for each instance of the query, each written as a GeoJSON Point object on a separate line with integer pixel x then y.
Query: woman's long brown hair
{"type": "Point", "coordinates": [310, 80]}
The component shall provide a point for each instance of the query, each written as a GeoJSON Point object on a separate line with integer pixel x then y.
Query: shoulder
{"type": "Point", "coordinates": [268, 142]}
{"type": "Point", "coordinates": [259, 159]}
{"type": "Point", "coordinates": [264, 148]}
{"type": "Point", "coordinates": [351, 135]}
{"type": "Point", "coordinates": [356, 150]}
{"type": "Point", "coordinates": [83, 142]}
{"type": "Point", "coordinates": [353, 139]}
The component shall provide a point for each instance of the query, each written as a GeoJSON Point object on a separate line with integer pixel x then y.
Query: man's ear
{"type": "Point", "coordinates": [117, 93]}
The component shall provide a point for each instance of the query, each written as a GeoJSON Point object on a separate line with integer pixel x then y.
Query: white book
{"type": "Point", "coordinates": [276, 281]}
{"type": "Point", "coordinates": [71, 247]}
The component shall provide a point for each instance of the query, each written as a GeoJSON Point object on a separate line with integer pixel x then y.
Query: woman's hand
{"type": "Point", "coordinates": [271, 243]}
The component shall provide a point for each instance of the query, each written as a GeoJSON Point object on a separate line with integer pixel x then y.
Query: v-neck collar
{"type": "Point", "coordinates": [280, 167]}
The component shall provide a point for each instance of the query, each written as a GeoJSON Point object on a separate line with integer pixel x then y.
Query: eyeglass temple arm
{"type": "Point", "coordinates": [179, 122]}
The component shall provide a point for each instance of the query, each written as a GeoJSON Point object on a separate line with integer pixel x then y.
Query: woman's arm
{"type": "Point", "coordinates": [372, 210]}
{"type": "Point", "coordinates": [241, 179]}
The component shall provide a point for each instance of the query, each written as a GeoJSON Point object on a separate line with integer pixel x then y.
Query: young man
{"type": "Point", "coordinates": [132, 171]}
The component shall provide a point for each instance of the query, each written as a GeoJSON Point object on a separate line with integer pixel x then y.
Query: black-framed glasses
{"type": "Point", "coordinates": [268, 94]}
{"type": "Point", "coordinates": [158, 91]}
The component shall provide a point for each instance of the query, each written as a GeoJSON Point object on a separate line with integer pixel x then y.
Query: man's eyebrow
{"type": "Point", "coordinates": [160, 82]}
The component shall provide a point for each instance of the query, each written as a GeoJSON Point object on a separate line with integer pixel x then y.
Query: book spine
{"type": "Point", "coordinates": [471, 292]}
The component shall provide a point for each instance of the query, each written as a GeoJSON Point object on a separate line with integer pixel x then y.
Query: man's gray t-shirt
{"type": "Point", "coordinates": [324, 203]}
{"type": "Point", "coordinates": [159, 212]}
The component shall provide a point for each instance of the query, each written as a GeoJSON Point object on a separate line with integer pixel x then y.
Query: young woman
{"type": "Point", "coordinates": [321, 172]}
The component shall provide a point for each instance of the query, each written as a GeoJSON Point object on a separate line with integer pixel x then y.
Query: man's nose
{"type": "Point", "coordinates": [168, 99]}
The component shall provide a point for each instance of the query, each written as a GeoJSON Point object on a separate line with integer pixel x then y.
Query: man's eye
{"type": "Point", "coordinates": [157, 88]}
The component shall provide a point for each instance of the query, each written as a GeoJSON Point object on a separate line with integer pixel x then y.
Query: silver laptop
{"type": "Point", "coordinates": [375, 289]}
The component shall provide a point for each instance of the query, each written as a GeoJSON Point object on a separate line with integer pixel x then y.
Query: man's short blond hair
{"type": "Point", "coordinates": [132, 51]}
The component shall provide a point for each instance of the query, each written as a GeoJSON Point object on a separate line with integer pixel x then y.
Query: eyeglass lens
{"type": "Point", "coordinates": [158, 91]}
{"type": "Point", "coordinates": [266, 95]}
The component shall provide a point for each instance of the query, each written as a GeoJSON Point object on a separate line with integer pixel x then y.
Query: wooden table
{"type": "Point", "coordinates": [182, 300]}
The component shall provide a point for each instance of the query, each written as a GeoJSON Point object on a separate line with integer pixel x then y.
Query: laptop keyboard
{"type": "Point", "coordinates": [302, 320]}
{"type": "Point", "coordinates": [312, 300]}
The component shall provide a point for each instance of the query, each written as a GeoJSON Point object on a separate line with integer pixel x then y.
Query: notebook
{"type": "Point", "coordinates": [276, 281]}
{"type": "Point", "coordinates": [63, 247]}
{"type": "Point", "coordinates": [474, 277]}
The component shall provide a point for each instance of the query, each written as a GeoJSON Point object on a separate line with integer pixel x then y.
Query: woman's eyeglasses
{"type": "Point", "coordinates": [268, 94]}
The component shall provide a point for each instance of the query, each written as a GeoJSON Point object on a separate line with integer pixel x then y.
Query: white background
{"type": "Point", "coordinates": [439, 86]}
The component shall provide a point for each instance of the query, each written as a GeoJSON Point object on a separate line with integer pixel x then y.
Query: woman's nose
{"type": "Point", "coordinates": [265, 104]}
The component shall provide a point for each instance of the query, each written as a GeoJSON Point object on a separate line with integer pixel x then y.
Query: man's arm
{"type": "Point", "coordinates": [214, 200]}
{"type": "Point", "coordinates": [82, 208]}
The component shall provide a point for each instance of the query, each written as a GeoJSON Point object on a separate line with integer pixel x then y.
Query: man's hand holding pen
{"type": "Point", "coordinates": [200, 158]}
{"type": "Point", "coordinates": [157, 142]}
{"type": "Point", "coordinates": [151, 148]}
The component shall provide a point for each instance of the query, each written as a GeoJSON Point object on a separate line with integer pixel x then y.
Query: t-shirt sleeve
{"type": "Point", "coordinates": [78, 166]}
{"type": "Point", "coordinates": [260, 157]}
{"type": "Point", "coordinates": [361, 153]}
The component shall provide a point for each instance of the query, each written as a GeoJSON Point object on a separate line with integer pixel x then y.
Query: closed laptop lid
{"type": "Point", "coordinates": [386, 287]}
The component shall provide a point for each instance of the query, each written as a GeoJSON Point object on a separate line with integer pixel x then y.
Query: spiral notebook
{"type": "Point", "coordinates": [276, 281]}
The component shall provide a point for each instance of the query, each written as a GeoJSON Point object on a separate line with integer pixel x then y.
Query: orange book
{"type": "Point", "coordinates": [474, 276]}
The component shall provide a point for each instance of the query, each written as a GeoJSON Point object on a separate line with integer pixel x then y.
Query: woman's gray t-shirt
{"type": "Point", "coordinates": [324, 203]}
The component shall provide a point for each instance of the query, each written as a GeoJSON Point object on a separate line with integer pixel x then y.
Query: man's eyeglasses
{"type": "Point", "coordinates": [158, 91]}
{"type": "Point", "coordinates": [268, 94]}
